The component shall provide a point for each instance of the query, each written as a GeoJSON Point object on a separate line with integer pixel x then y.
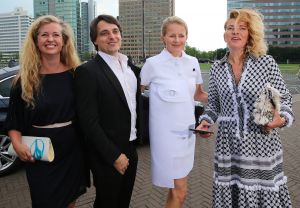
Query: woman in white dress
{"type": "Point", "coordinates": [174, 79]}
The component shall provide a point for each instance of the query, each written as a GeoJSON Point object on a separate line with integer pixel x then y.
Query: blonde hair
{"type": "Point", "coordinates": [256, 44]}
{"type": "Point", "coordinates": [172, 20]}
{"type": "Point", "coordinates": [30, 58]}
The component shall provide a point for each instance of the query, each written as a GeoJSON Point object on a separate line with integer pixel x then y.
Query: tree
{"type": "Point", "coordinates": [85, 56]}
{"type": "Point", "coordinates": [285, 55]}
{"type": "Point", "coordinates": [280, 54]}
{"type": "Point", "coordinates": [192, 51]}
{"type": "Point", "coordinates": [15, 56]}
{"type": "Point", "coordinates": [203, 55]}
{"type": "Point", "coordinates": [220, 53]}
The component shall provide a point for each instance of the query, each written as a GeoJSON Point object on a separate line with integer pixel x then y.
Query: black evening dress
{"type": "Point", "coordinates": [52, 184]}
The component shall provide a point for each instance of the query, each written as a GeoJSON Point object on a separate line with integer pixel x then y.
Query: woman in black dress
{"type": "Point", "coordinates": [42, 104]}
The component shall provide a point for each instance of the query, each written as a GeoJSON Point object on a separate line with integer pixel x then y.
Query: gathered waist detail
{"type": "Point", "coordinates": [55, 125]}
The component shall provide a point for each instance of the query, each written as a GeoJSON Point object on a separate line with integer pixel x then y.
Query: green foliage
{"type": "Point", "coordinates": [288, 58]}
{"type": "Point", "coordinates": [205, 55]}
{"type": "Point", "coordinates": [220, 53]}
{"type": "Point", "coordinates": [285, 55]}
{"type": "Point", "coordinates": [15, 56]}
{"type": "Point", "coordinates": [86, 56]}
{"type": "Point", "coordinates": [192, 51]}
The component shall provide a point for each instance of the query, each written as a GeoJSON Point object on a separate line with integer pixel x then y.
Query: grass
{"type": "Point", "coordinates": [290, 68]}
{"type": "Point", "coordinates": [286, 68]}
{"type": "Point", "coordinates": [205, 67]}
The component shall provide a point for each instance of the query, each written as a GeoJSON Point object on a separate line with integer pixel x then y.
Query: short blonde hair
{"type": "Point", "coordinates": [172, 20]}
{"type": "Point", "coordinates": [30, 59]}
{"type": "Point", "coordinates": [256, 44]}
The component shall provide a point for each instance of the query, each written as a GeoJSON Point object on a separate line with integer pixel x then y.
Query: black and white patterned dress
{"type": "Point", "coordinates": [248, 164]}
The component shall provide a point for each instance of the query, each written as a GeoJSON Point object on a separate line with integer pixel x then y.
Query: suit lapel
{"type": "Point", "coordinates": [111, 77]}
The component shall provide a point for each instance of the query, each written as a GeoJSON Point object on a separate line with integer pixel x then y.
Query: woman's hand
{"type": "Point", "coordinates": [23, 152]}
{"type": "Point", "coordinates": [277, 121]}
{"type": "Point", "coordinates": [21, 149]}
{"type": "Point", "coordinates": [204, 126]}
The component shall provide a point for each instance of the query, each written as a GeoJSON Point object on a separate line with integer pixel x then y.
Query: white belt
{"type": "Point", "coordinates": [55, 125]}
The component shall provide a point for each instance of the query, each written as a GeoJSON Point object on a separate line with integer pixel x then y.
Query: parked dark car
{"type": "Point", "coordinates": [144, 130]}
{"type": "Point", "coordinates": [8, 163]}
{"type": "Point", "coordinates": [206, 61]}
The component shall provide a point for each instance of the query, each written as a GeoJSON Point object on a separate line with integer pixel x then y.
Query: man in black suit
{"type": "Point", "coordinates": [107, 90]}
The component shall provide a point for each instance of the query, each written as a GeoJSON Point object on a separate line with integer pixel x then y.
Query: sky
{"type": "Point", "coordinates": [205, 18]}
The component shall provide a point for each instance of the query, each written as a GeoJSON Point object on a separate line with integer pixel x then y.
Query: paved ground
{"type": "Point", "coordinates": [14, 189]}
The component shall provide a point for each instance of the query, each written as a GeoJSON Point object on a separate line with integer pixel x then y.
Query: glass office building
{"type": "Point", "coordinates": [92, 5]}
{"type": "Point", "coordinates": [88, 11]}
{"type": "Point", "coordinates": [141, 21]}
{"type": "Point", "coordinates": [84, 27]}
{"type": "Point", "coordinates": [281, 18]}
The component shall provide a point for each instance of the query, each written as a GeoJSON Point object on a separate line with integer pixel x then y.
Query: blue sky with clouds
{"type": "Point", "coordinates": [205, 18]}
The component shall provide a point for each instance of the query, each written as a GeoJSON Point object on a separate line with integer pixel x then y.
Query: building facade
{"type": "Point", "coordinates": [141, 23]}
{"type": "Point", "coordinates": [13, 30]}
{"type": "Point", "coordinates": [88, 11]}
{"type": "Point", "coordinates": [281, 18]}
{"type": "Point", "coordinates": [84, 27]}
{"type": "Point", "coordinates": [92, 5]}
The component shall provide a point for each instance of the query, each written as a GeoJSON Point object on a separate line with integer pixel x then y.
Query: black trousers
{"type": "Point", "coordinates": [114, 190]}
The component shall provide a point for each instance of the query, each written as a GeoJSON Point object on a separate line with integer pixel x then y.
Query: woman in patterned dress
{"type": "Point", "coordinates": [42, 104]}
{"type": "Point", "coordinates": [248, 162]}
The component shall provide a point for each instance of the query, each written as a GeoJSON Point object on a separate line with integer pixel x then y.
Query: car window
{"type": "Point", "coordinates": [5, 86]}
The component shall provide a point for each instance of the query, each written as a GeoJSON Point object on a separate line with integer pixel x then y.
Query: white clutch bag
{"type": "Point", "coordinates": [40, 147]}
{"type": "Point", "coordinates": [265, 104]}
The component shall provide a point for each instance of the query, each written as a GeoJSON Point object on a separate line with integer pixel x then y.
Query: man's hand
{"type": "Point", "coordinates": [121, 163]}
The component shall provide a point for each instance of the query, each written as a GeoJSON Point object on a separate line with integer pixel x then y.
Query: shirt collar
{"type": "Point", "coordinates": [248, 56]}
{"type": "Point", "coordinates": [168, 56]}
{"type": "Point", "coordinates": [119, 56]}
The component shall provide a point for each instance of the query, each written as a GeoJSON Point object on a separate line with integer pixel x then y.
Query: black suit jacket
{"type": "Point", "coordinates": [103, 112]}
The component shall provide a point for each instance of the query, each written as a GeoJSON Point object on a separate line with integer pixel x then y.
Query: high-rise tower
{"type": "Point", "coordinates": [141, 22]}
